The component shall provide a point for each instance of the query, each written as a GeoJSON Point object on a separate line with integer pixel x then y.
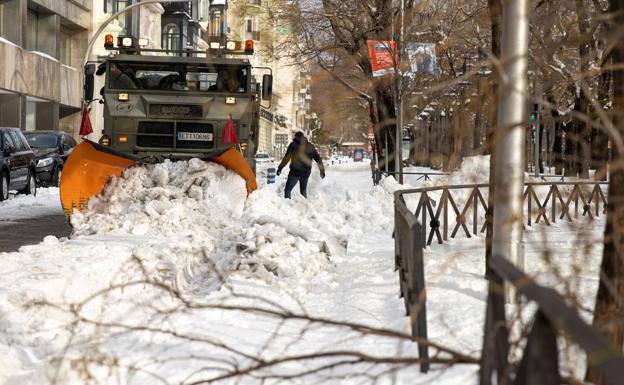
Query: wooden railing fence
{"type": "Point", "coordinates": [438, 211]}
{"type": "Point", "coordinates": [443, 214]}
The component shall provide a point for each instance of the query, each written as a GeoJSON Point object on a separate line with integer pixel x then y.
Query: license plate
{"type": "Point", "coordinates": [195, 136]}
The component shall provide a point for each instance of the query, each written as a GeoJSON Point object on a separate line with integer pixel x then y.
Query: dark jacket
{"type": "Point", "coordinates": [300, 154]}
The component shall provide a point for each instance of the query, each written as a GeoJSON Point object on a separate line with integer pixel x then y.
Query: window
{"type": "Point", "coordinates": [10, 11]}
{"type": "Point", "coordinates": [42, 140]}
{"type": "Point", "coordinates": [178, 77]}
{"type": "Point", "coordinates": [248, 25]}
{"type": "Point", "coordinates": [215, 24]}
{"type": "Point", "coordinates": [32, 30]}
{"type": "Point", "coordinates": [19, 144]}
{"type": "Point", "coordinates": [65, 47]}
{"type": "Point", "coordinates": [8, 141]}
{"type": "Point", "coordinates": [171, 37]}
{"type": "Point", "coordinates": [71, 142]}
{"type": "Point", "coordinates": [114, 6]}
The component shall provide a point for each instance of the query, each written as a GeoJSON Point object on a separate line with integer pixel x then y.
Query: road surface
{"type": "Point", "coordinates": [15, 233]}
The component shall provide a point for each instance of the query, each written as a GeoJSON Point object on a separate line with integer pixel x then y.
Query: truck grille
{"type": "Point", "coordinates": [155, 134]}
{"type": "Point", "coordinates": [164, 134]}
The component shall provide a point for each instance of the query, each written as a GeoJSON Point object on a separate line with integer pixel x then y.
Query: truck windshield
{"type": "Point", "coordinates": [177, 77]}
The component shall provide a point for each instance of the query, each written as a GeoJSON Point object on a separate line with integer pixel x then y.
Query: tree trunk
{"type": "Point", "coordinates": [600, 139]}
{"type": "Point", "coordinates": [581, 128]}
{"type": "Point", "coordinates": [609, 310]}
{"type": "Point", "coordinates": [387, 120]}
{"type": "Point", "coordinates": [494, 364]}
{"type": "Point", "coordinates": [572, 137]}
{"type": "Point", "coordinates": [558, 148]}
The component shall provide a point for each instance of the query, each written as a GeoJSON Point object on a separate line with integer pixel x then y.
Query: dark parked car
{"type": "Point", "coordinates": [51, 151]}
{"type": "Point", "coordinates": [17, 163]}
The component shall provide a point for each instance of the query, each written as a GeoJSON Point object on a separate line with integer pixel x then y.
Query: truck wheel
{"type": "Point", "coordinates": [31, 185]}
{"type": "Point", "coordinates": [56, 179]}
{"type": "Point", "coordinates": [4, 187]}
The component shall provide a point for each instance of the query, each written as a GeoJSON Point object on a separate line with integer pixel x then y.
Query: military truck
{"type": "Point", "coordinates": [164, 104]}
{"type": "Point", "coordinates": [177, 107]}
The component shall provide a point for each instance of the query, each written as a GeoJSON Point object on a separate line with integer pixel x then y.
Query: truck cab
{"type": "Point", "coordinates": [178, 107]}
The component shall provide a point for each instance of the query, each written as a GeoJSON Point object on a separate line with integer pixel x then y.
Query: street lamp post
{"type": "Point", "coordinates": [509, 168]}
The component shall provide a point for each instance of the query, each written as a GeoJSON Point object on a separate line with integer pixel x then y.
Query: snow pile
{"type": "Point", "coordinates": [205, 207]}
{"type": "Point", "coordinates": [22, 206]}
{"type": "Point", "coordinates": [473, 169]}
{"type": "Point", "coordinates": [169, 198]}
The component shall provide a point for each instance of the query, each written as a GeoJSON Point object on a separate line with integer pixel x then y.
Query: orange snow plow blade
{"type": "Point", "coordinates": [234, 160]}
{"type": "Point", "coordinates": [86, 171]}
{"type": "Point", "coordinates": [90, 166]}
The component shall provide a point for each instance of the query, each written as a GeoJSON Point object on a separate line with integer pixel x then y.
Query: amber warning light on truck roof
{"type": "Point", "coordinates": [249, 46]}
{"type": "Point", "coordinates": [108, 41]}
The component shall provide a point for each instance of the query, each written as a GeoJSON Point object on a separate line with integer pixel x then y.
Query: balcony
{"type": "Point", "coordinates": [49, 80]}
{"type": "Point", "coordinates": [172, 8]}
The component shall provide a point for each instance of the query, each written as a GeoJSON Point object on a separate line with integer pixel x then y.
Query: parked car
{"type": "Point", "coordinates": [263, 157]}
{"type": "Point", "coordinates": [51, 151]}
{"type": "Point", "coordinates": [17, 163]}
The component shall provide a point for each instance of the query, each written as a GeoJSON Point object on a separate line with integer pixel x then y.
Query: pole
{"type": "Point", "coordinates": [509, 165]}
{"type": "Point", "coordinates": [537, 146]}
{"type": "Point", "coordinates": [398, 151]}
{"type": "Point", "coordinates": [386, 151]}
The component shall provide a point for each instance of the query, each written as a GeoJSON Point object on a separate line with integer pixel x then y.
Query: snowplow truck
{"type": "Point", "coordinates": [198, 104]}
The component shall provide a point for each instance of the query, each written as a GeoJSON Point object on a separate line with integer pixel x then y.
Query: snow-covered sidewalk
{"type": "Point", "coordinates": [169, 280]}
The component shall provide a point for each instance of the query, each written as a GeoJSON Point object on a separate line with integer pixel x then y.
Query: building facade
{"type": "Point", "coordinates": [259, 20]}
{"type": "Point", "coordinates": [42, 43]}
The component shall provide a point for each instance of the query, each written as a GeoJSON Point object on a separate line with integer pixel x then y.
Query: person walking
{"type": "Point", "coordinates": [300, 154]}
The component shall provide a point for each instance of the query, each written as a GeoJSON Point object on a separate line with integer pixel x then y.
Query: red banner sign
{"type": "Point", "coordinates": [380, 54]}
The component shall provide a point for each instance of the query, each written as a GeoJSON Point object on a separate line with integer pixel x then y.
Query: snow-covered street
{"type": "Point", "coordinates": [167, 279]}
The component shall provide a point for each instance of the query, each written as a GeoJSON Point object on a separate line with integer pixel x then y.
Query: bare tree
{"type": "Point", "coordinates": [609, 309]}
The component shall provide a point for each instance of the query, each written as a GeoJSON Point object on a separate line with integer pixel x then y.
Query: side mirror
{"type": "Point", "coordinates": [89, 70]}
{"type": "Point", "coordinates": [101, 69]}
{"type": "Point", "coordinates": [267, 87]}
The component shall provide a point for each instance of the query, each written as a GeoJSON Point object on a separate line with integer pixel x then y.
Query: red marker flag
{"type": "Point", "coordinates": [229, 132]}
{"type": "Point", "coordinates": [85, 123]}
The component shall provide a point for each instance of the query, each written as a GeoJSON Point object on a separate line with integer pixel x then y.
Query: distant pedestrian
{"type": "Point", "coordinates": [300, 154]}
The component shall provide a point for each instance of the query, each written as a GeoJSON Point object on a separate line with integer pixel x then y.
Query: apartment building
{"type": "Point", "coordinates": [259, 20]}
{"type": "Point", "coordinates": [42, 44]}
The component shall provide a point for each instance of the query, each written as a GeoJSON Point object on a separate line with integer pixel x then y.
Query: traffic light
{"type": "Point", "coordinates": [534, 113]}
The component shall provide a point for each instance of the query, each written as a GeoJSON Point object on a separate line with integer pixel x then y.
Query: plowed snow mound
{"type": "Point", "coordinates": [167, 198]}
{"type": "Point", "coordinates": [203, 209]}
